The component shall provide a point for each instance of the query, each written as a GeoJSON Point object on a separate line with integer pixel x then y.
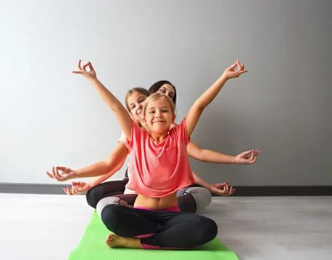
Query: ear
{"type": "Point", "coordinates": [173, 118]}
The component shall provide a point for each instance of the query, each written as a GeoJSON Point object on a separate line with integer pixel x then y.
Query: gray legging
{"type": "Point", "coordinates": [191, 199]}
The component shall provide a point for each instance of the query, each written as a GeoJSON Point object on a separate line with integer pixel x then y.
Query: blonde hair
{"type": "Point", "coordinates": [156, 96]}
{"type": "Point", "coordinates": [142, 91]}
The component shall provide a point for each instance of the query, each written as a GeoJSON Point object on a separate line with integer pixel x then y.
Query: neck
{"type": "Point", "coordinates": [141, 124]}
{"type": "Point", "coordinates": [158, 138]}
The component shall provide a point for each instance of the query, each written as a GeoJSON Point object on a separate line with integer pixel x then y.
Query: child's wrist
{"type": "Point", "coordinates": [224, 76]}
{"type": "Point", "coordinates": [94, 80]}
{"type": "Point", "coordinates": [234, 160]}
{"type": "Point", "coordinates": [73, 175]}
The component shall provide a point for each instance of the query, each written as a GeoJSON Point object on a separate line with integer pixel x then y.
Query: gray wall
{"type": "Point", "coordinates": [49, 116]}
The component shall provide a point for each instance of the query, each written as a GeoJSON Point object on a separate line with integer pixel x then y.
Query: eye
{"type": "Point", "coordinates": [152, 112]}
{"type": "Point", "coordinates": [163, 91]}
{"type": "Point", "coordinates": [141, 100]}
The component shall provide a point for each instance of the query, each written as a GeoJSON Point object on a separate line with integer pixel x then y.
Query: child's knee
{"type": "Point", "coordinates": [112, 217]}
{"type": "Point", "coordinates": [212, 229]}
{"type": "Point", "coordinates": [93, 195]}
{"type": "Point", "coordinates": [105, 202]}
{"type": "Point", "coordinates": [202, 197]}
{"type": "Point", "coordinates": [208, 229]}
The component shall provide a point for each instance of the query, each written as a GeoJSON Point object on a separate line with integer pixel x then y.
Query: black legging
{"type": "Point", "coordinates": [107, 189]}
{"type": "Point", "coordinates": [166, 229]}
{"type": "Point", "coordinates": [116, 188]}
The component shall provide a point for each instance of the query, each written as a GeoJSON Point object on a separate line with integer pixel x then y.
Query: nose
{"type": "Point", "coordinates": [139, 109]}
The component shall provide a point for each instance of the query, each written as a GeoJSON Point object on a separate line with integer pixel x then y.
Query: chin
{"type": "Point", "coordinates": [164, 131]}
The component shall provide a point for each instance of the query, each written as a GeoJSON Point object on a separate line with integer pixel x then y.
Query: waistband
{"type": "Point", "coordinates": [172, 208]}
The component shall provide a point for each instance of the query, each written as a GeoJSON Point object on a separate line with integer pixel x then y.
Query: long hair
{"type": "Point", "coordinates": [131, 91]}
{"type": "Point", "coordinates": [156, 86]}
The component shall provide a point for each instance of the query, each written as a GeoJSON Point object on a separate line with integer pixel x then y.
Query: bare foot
{"type": "Point", "coordinates": [114, 241]}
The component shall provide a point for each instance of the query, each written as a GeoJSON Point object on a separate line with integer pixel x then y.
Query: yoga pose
{"type": "Point", "coordinates": [160, 167]}
{"type": "Point", "coordinates": [191, 199]}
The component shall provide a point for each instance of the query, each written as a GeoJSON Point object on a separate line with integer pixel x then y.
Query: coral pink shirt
{"type": "Point", "coordinates": [158, 170]}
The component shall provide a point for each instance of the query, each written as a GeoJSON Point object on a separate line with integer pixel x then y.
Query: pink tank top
{"type": "Point", "coordinates": [158, 170]}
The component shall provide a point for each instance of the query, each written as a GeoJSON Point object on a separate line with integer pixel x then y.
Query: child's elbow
{"type": "Point", "coordinates": [198, 106]}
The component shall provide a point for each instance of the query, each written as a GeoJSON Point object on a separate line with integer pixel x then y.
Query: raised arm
{"type": "Point", "coordinates": [205, 155]}
{"type": "Point", "coordinates": [204, 100]}
{"type": "Point", "coordinates": [112, 102]}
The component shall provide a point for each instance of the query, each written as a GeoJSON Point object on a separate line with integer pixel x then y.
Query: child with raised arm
{"type": "Point", "coordinates": [190, 199]}
{"type": "Point", "coordinates": [160, 167]}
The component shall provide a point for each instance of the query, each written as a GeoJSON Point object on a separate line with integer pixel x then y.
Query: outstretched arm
{"type": "Point", "coordinates": [222, 189]}
{"type": "Point", "coordinates": [119, 110]}
{"type": "Point", "coordinates": [78, 187]}
{"type": "Point", "coordinates": [205, 155]}
{"type": "Point", "coordinates": [106, 167]}
{"type": "Point", "coordinates": [204, 100]}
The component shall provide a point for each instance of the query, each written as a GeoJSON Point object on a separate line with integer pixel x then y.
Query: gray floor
{"type": "Point", "coordinates": [50, 226]}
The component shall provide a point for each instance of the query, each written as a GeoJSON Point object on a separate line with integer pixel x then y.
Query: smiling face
{"type": "Point", "coordinates": [167, 90]}
{"type": "Point", "coordinates": [135, 103]}
{"type": "Point", "coordinates": [159, 114]}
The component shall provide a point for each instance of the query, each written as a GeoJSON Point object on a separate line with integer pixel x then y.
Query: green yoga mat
{"type": "Point", "coordinates": [93, 247]}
